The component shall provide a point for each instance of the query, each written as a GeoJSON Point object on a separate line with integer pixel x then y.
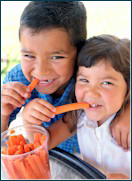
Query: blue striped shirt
{"type": "Point", "coordinates": [16, 74]}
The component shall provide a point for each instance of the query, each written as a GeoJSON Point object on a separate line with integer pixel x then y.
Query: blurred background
{"type": "Point", "coordinates": [109, 17]}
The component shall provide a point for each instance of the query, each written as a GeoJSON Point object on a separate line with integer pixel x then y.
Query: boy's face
{"type": "Point", "coordinates": [49, 56]}
{"type": "Point", "coordinates": [103, 88]}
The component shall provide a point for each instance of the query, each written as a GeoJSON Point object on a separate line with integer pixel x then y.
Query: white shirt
{"type": "Point", "coordinates": [99, 149]}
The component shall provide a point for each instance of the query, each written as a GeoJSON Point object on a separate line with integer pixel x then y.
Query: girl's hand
{"type": "Point", "coordinates": [38, 111]}
{"type": "Point", "coordinates": [120, 128]}
{"type": "Point", "coordinates": [116, 176]}
{"type": "Point", "coordinates": [13, 95]}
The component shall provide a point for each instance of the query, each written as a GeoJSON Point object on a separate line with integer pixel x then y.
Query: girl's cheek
{"type": "Point", "coordinates": [78, 93]}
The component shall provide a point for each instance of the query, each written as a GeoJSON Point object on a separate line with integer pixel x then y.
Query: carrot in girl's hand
{"type": "Point", "coordinates": [33, 84]}
{"type": "Point", "coordinates": [71, 107]}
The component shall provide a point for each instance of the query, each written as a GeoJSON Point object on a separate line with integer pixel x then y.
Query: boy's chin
{"type": "Point", "coordinates": [44, 90]}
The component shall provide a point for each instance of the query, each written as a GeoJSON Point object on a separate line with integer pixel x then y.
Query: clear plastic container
{"type": "Point", "coordinates": [30, 165]}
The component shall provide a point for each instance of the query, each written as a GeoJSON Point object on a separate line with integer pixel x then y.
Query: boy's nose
{"type": "Point", "coordinates": [43, 69]}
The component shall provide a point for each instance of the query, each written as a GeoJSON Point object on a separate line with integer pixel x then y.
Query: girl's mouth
{"type": "Point", "coordinates": [94, 106]}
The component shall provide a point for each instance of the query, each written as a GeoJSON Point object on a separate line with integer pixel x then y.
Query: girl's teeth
{"type": "Point", "coordinates": [94, 105]}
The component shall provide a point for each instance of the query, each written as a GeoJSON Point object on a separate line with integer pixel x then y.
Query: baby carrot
{"type": "Point", "coordinates": [33, 84]}
{"type": "Point", "coordinates": [71, 107]}
{"type": "Point", "coordinates": [26, 148]}
{"type": "Point", "coordinates": [12, 131]}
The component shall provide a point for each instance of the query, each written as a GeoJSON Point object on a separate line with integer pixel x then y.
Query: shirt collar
{"type": "Point", "coordinates": [93, 124]}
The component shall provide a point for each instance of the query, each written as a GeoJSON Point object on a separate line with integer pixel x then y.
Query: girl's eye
{"type": "Point", "coordinates": [107, 83]}
{"type": "Point", "coordinates": [57, 57]}
{"type": "Point", "coordinates": [82, 80]}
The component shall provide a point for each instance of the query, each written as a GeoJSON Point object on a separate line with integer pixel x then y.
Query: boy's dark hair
{"type": "Point", "coordinates": [70, 15]}
{"type": "Point", "coordinates": [110, 49]}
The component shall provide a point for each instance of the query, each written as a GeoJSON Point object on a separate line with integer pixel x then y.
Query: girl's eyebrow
{"type": "Point", "coordinates": [109, 77]}
{"type": "Point", "coordinates": [79, 74]}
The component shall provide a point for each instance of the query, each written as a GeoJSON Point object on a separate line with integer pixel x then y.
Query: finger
{"type": "Point", "coordinates": [44, 110]}
{"type": "Point", "coordinates": [124, 141]}
{"type": "Point", "coordinates": [117, 136]}
{"type": "Point", "coordinates": [10, 100]}
{"type": "Point", "coordinates": [40, 116]}
{"type": "Point", "coordinates": [129, 144]}
{"type": "Point", "coordinates": [9, 93]}
{"type": "Point", "coordinates": [19, 88]}
{"type": "Point", "coordinates": [34, 120]}
{"type": "Point", "coordinates": [47, 105]}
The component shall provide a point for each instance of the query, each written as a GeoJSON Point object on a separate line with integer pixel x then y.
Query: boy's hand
{"type": "Point", "coordinates": [13, 95]}
{"type": "Point", "coordinates": [38, 111]}
{"type": "Point", "coordinates": [120, 128]}
{"type": "Point", "coordinates": [116, 176]}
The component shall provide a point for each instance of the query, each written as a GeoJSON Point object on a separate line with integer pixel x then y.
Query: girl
{"type": "Point", "coordinates": [103, 80]}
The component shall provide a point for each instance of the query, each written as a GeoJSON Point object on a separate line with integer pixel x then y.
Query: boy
{"type": "Point", "coordinates": [51, 34]}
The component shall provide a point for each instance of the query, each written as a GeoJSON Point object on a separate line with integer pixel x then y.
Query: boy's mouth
{"type": "Point", "coordinates": [45, 81]}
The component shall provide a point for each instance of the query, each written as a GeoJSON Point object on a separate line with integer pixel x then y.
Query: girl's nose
{"type": "Point", "coordinates": [93, 92]}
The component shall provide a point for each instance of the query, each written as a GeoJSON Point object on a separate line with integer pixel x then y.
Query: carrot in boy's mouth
{"type": "Point", "coordinates": [33, 84]}
{"type": "Point", "coordinates": [71, 107]}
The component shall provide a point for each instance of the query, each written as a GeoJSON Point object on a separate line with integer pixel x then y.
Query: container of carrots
{"type": "Point", "coordinates": [24, 153]}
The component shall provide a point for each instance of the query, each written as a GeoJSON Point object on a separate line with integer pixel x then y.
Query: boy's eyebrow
{"type": "Point", "coordinates": [25, 50]}
{"type": "Point", "coordinates": [58, 52]}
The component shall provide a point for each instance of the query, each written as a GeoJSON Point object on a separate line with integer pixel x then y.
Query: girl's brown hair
{"type": "Point", "coordinates": [112, 50]}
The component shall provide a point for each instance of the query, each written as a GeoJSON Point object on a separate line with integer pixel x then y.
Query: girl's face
{"type": "Point", "coordinates": [49, 56]}
{"type": "Point", "coordinates": [103, 88]}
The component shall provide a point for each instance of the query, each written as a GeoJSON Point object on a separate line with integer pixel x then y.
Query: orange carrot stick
{"type": "Point", "coordinates": [10, 151]}
{"type": "Point", "coordinates": [31, 146]}
{"type": "Point", "coordinates": [12, 171]}
{"type": "Point", "coordinates": [43, 139]}
{"type": "Point", "coordinates": [33, 165]}
{"type": "Point", "coordinates": [39, 165]}
{"type": "Point", "coordinates": [18, 169]}
{"type": "Point", "coordinates": [12, 131]}
{"type": "Point", "coordinates": [71, 107]}
{"type": "Point", "coordinates": [37, 137]}
{"type": "Point", "coordinates": [26, 148]}
{"type": "Point", "coordinates": [13, 140]}
{"type": "Point", "coordinates": [33, 84]}
{"type": "Point", "coordinates": [4, 151]}
{"type": "Point", "coordinates": [8, 143]}
{"type": "Point", "coordinates": [30, 172]}
{"type": "Point", "coordinates": [21, 139]}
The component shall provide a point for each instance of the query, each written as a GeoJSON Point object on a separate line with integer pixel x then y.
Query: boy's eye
{"type": "Point", "coordinates": [57, 57]}
{"type": "Point", "coordinates": [28, 56]}
{"type": "Point", "coordinates": [106, 83]}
